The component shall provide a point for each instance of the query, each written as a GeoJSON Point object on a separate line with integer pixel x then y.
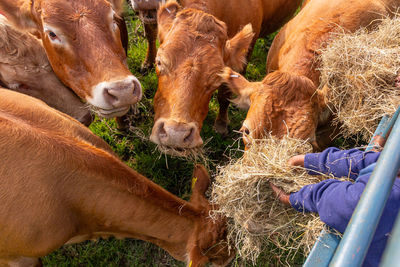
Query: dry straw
{"type": "Point", "coordinates": [360, 69]}
{"type": "Point", "coordinates": [255, 216]}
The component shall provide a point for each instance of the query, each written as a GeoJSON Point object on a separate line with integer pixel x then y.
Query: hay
{"type": "Point", "coordinates": [361, 69]}
{"type": "Point", "coordinates": [255, 216]}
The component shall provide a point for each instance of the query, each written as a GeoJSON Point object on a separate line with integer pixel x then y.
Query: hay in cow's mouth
{"type": "Point", "coordinates": [195, 154]}
{"type": "Point", "coordinates": [255, 216]}
{"type": "Point", "coordinates": [361, 71]}
{"type": "Point", "coordinates": [109, 113]}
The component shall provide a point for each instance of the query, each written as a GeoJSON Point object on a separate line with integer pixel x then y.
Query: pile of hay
{"type": "Point", "coordinates": [361, 70]}
{"type": "Point", "coordinates": [254, 214]}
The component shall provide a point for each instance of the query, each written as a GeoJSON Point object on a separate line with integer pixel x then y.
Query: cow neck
{"type": "Point", "coordinates": [126, 204]}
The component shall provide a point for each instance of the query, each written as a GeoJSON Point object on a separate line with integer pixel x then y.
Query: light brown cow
{"type": "Point", "coordinates": [83, 44]}
{"type": "Point", "coordinates": [287, 101]}
{"type": "Point", "coordinates": [61, 184]}
{"type": "Point", "coordinates": [24, 68]}
{"type": "Point", "coordinates": [197, 41]}
{"type": "Point", "coordinates": [279, 105]}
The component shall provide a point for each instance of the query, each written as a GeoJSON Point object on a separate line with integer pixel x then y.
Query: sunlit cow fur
{"type": "Point", "coordinates": [61, 184]}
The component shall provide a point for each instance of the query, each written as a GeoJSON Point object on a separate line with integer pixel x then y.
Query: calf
{"type": "Point", "coordinates": [61, 184]}
{"type": "Point", "coordinates": [24, 68]}
{"type": "Point", "coordinates": [287, 101]}
{"type": "Point", "coordinates": [197, 40]}
{"type": "Point", "coordinates": [83, 44]}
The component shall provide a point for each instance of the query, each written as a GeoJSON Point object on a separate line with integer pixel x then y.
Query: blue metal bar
{"type": "Point", "coordinates": [323, 250]}
{"type": "Point", "coordinates": [325, 247]}
{"type": "Point", "coordinates": [391, 257]}
{"type": "Point", "coordinates": [361, 228]}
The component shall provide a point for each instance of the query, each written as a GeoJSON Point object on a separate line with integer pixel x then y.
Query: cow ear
{"type": "Point", "coordinates": [165, 15]}
{"type": "Point", "coordinates": [200, 184]}
{"type": "Point", "coordinates": [19, 13]}
{"type": "Point", "coordinates": [236, 49]}
{"type": "Point", "coordinates": [117, 5]}
{"type": "Point", "coordinates": [239, 86]}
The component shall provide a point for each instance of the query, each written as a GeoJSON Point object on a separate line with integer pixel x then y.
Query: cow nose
{"type": "Point", "coordinates": [122, 93]}
{"type": "Point", "coordinates": [246, 137]}
{"type": "Point", "coordinates": [176, 134]}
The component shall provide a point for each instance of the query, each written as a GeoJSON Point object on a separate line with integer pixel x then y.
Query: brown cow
{"type": "Point", "coordinates": [83, 44]}
{"type": "Point", "coordinates": [288, 100]}
{"type": "Point", "coordinates": [24, 68]}
{"type": "Point", "coordinates": [61, 184]}
{"type": "Point", "coordinates": [197, 42]}
{"type": "Point", "coordinates": [148, 15]}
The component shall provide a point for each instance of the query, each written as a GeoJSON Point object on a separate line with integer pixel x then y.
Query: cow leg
{"type": "Point", "coordinates": [150, 31]}
{"type": "Point", "coordinates": [221, 123]}
{"type": "Point", "coordinates": [122, 123]}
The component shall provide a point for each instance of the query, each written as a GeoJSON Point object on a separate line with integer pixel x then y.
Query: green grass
{"type": "Point", "coordinates": [174, 174]}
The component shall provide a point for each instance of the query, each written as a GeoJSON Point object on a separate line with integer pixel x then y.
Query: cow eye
{"type": "Point", "coordinates": [52, 35]}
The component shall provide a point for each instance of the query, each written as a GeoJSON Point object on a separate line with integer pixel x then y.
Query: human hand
{"type": "Point", "coordinates": [280, 194]}
{"type": "Point", "coordinates": [297, 160]}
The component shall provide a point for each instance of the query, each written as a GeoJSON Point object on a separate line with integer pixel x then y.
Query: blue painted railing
{"type": "Point", "coordinates": [330, 250]}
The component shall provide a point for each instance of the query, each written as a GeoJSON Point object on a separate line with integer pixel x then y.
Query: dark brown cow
{"type": "Point", "coordinates": [197, 41]}
{"type": "Point", "coordinates": [148, 15]}
{"type": "Point", "coordinates": [24, 68]}
{"type": "Point", "coordinates": [83, 44]}
{"type": "Point", "coordinates": [61, 184]}
{"type": "Point", "coordinates": [287, 101]}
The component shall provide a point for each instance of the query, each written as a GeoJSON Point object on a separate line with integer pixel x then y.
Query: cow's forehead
{"type": "Point", "coordinates": [56, 9]}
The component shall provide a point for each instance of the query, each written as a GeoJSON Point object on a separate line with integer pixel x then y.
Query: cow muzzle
{"type": "Point", "coordinates": [111, 99]}
{"type": "Point", "coordinates": [175, 134]}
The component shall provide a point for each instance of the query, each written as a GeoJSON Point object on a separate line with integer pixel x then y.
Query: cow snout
{"type": "Point", "coordinates": [176, 134]}
{"type": "Point", "coordinates": [122, 93]}
{"type": "Point", "coordinates": [114, 98]}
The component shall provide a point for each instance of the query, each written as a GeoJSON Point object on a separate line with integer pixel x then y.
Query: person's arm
{"type": "Point", "coordinates": [333, 200]}
{"type": "Point", "coordinates": [339, 163]}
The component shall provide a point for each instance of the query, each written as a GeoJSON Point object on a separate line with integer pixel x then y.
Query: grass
{"type": "Point", "coordinates": [174, 174]}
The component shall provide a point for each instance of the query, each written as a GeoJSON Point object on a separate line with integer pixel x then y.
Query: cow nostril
{"type": "Point", "coordinates": [161, 131]}
{"type": "Point", "coordinates": [189, 138]}
{"type": "Point", "coordinates": [109, 96]}
{"type": "Point", "coordinates": [137, 89]}
{"type": "Point", "coordinates": [245, 130]}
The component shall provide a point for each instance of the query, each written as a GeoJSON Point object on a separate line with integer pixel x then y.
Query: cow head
{"type": "Point", "coordinates": [24, 68]}
{"type": "Point", "coordinates": [281, 104]}
{"type": "Point", "coordinates": [147, 9]}
{"type": "Point", "coordinates": [82, 42]}
{"type": "Point", "coordinates": [194, 49]}
{"type": "Point", "coordinates": [208, 242]}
